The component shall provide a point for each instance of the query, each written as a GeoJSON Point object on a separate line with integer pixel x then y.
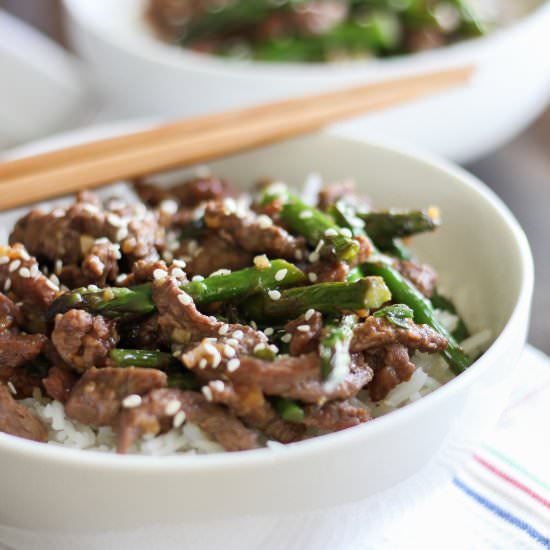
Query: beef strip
{"type": "Point", "coordinates": [333, 192]}
{"type": "Point", "coordinates": [300, 377]}
{"type": "Point", "coordinates": [152, 417]}
{"type": "Point", "coordinates": [334, 416]}
{"type": "Point", "coordinates": [20, 276]}
{"type": "Point", "coordinates": [252, 232]}
{"type": "Point", "coordinates": [213, 253]}
{"type": "Point", "coordinates": [249, 403]}
{"type": "Point", "coordinates": [304, 341]}
{"type": "Point", "coordinates": [97, 397]}
{"type": "Point", "coordinates": [17, 349]}
{"type": "Point", "coordinates": [328, 272]}
{"type": "Point", "coordinates": [59, 383]}
{"type": "Point", "coordinates": [16, 419]}
{"type": "Point", "coordinates": [84, 340]}
{"type": "Point", "coordinates": [422, 276]}
{"type": "Point", "coordinates": [377, 332]}
{"type": "Point", "coordinates": [190, 193]}
{"type": "Point", "coordinates": [395, 367]}
{"type": "Point", "coordinates": [183, 323]}
{"type": "Point", "coordinates": [98, 267]}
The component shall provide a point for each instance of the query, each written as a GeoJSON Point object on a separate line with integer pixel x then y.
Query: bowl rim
{"type": "Point", "coordinates": [156, 51]}
{"type": "Point", "coordinates": [182, 463]}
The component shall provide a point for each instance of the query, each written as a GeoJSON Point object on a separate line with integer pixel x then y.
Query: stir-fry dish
{"type": "Point", "coordinates": [202, 319]}
{"type": "Point", "coordinates": [315, 30]}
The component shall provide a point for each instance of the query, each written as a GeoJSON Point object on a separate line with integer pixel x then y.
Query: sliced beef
{"type": "Point", "coordinates": [394, 367]}
{"type": "Point", "coordinates": [422, 276]}
{"type": "Point", "coordinates": [19, 275]}
{"type": "Point", "coordinates": [328, 272]}
{"type": "Point", "coordinates": [251, 232]}
{"type": "Point", "coordinates": [152, 417]}
{"type": "Point", "coordinates": [305, 331]}
{"type": "Point", "coordinates": [300, 378]}
{"type": "Point", "coordinates": [17, 349]}
{"type": "Point", "coordinates": [16, 419]}
{"type": "Point", "coordinates": [141, 334]}
{"type": "Point", "coordinates": [189, 193]}
{"type": "Point", "coordinates": [23, 379]}
{"type": "Point", "coordinates": [181, 322]}
{"type": "Point", "coordinates": [212, 254]}
{"type": "Point", "coordinates": [97, 397]}
{"type": "Point", "coordinates": [333, 192]}
{"type": "Point", "coordinates": [376, 332]}
{"type": "Point", "coordinates": [334, 416]}
{"type": "Point", "coordinates": [98, 267]}
{"type": "Point", "coordinates": [250, 405]}
{"type": "Point", "coordinates": [84, 340]}
{"type": "Point", "coordinates": [59, 383]}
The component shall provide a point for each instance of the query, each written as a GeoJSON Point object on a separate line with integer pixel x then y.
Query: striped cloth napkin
{"type": "Point", "coordinates": [500, 497]}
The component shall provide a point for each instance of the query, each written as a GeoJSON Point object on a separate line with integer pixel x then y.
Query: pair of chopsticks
{"type": "Point", "coordinates": [204, 138]}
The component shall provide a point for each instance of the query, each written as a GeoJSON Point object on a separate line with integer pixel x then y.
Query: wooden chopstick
{"type": "Point", "coordinates": [204, 138]}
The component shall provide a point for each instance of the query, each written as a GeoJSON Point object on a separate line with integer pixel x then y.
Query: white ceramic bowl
{"type": "Point", "coordinates": [141, 75]}
{"type": "Point", "coordinates": [242, 498]}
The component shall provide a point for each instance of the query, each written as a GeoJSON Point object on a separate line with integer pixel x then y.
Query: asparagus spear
{"type": "Point", "coordinates": [383, 227]}
{"type": "Point", "coordinates": [405, 293]}
{"type": "Point", "coordinates": [287, 409]}
{"type": "Point", "coordinates": [328, 298]}
{"type": "Point", "coordinates": [334, 350]}
{"type": "Point", "coordinates": [178, 377]}
{"type": "Point", "coordinates": [313, 224]}
{"type": "Point", "coordinates": [126, 302]}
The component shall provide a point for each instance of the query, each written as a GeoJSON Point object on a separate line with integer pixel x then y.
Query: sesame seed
{"type": "Point", "coordinates": [286, 338]}
{"type": "Point", "coordinates": [309, 314]}
{"type": "Point", "coordinates": [7, 285]}
{"type": "Point", "coordinates": [298, 254]}
{"type": "Point", "coordinates": [264, 221]}
{"type": "Point", "coordinates": [131, 401]}
{"type": "Point", "coordinates": [207, 392]}
{"type": "Point", "coordinates": [178, 272]}
{"type": "Point", "coordinates": [179, 419]}
{"type": "Point", "coordinates": [197, 278]}
{"type": "Point", "coordinates": [4, 260]}
{"type": "Point", "coordinates": [192, 247]}
{"type": "Point", "coordinates": [238, 334]}
{"type": "Point", "coordinates": [320, 245]}
{"type": "Point", "coordinates": [216, 357]}
{"type": "Point", "coordinates": [273, 348]}
{"type": "Point", "coordinates": [180, 263]}
{"type": "Point", "coordinates": [232, 341]}
{"type": "Point", "coordinates": [262, 262]}
{"type": "Point", "coordinates": [331, 232]}
{"type": "Point", "coordinates": [229, 351]}
{"type": "Point", "coordinates": [303, 328]}
{"type": "Point", "coordinates": [121, 277]}
{"type": "Point", "coordinates": [34, 270]}
{"type": "Point", "coordinates": [259, 347]}
{"type": "Point", "coordinates": [51, 285]}
{"type": "Point", "coordinates": [274, 295]}
{"type": "Point", "coordinates": [185, 299]}
{"type": "Point", "coordinates": [115, 220]}
{"type": "Point", "coordinates": [346, 232]}
{"type": "Point", "coordinates": [217, 385]}
{"type": "Point", "coordinates": [24, 255]}
{"type": "Point", "coordinates": [305, 214]}
{"type": "Point", "coordinates": [169, 206]}
{"type": "Point", "coordinates": [314, 257]}
{"type": "Point", "coordinates": [233, 364]}
{"type": "Point", "coordinates": [269, 331]}
{"type": "Point", "coordinates": [14, 266]}
{"type": "Point", "coordinates": [211, 339]}
{"type": "Point", "coordinates": [58, 267]}
{"type": "Point", "coordinates": [172, 407]}
{"type": "Point", "coordinates": [220, 272]}
{"type": "Point", "coordinates": [202, 363]}
{"type": "Point", "coordinates": [54, 279]}
{"type": "Point", "coordinates": [159, 274]}
{"type": "Point", "coordinates": [281, 274]}
{"type": "Point", "coordinates": [167, 256]}
{"type": "Point", "coordinates": [24, 272]}
{"type": "Point", "coordinates": [93, 288]}
{"type": "Point", "coordinates": [223, 329]}
{"type": "Point", "coordinates": [312, 277]}
{"type": "Point", "coordinates": [11, 387]}
{"type": "Point", "coordinates": [254, 325]}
